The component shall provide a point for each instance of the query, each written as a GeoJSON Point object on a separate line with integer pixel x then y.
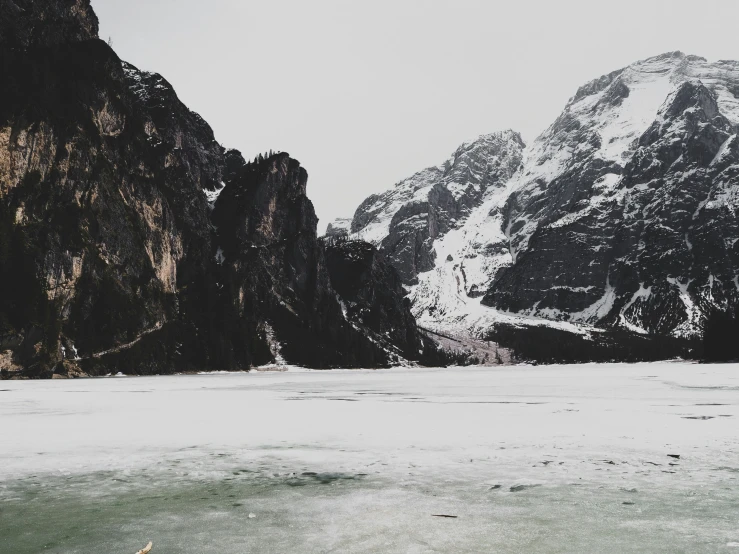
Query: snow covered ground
{"type": "Point", "coordinates": [607, 458]}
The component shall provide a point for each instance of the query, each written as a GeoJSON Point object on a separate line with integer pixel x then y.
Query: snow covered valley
{"type": "Point", "coordinates": [590, 458]}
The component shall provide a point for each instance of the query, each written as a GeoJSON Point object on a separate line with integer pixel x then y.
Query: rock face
{"type": "Point", "coordinates": [621, 215]}
{"type": "Point", "coordinates": [43, 23]}
{"type": "Point", "coordinates": [102, 172]}
{"type": "Point", "coordinates": [405, 221]}
{"type": "Point", "coordinates": [129, 239]}
{"type": "Point", "coordinates": [372, 296]}
{"type": "Point", "coordinates": [274, 266]}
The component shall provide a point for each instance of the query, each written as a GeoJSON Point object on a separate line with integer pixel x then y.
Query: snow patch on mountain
{"type": "Point", "coordinates": [212, 195]}
{"type": "Point", "coordinates": [689, 326]}
{"type": "Point", "coordinates": [466, 258]}
{"type": "Point", "coordinates": [627, 321]}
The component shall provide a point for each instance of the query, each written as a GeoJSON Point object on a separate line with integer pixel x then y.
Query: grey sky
{"type": "Point", "coordinates": [367, 93]}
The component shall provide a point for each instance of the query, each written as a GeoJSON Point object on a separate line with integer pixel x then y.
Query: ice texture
{"type": "Point", "coordinates": [607, 458]}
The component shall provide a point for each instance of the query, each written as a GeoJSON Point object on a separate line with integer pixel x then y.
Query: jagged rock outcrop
{"type": "Point", "coordinates": [372, 296]}
{"type": "Point", "coordinates": [406, 221]}
{"type": "Point", "coordinates": [129, 239]}
{"type": "Point", "coordinates": [44, 23]}
{"type": "Point", "coordinates": [273, 264]}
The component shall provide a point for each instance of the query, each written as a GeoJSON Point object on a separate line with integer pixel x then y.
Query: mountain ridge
{"type": "Point", "coordinates": [537, 251]}
{"type": "Point", "coordinates": [405, 221]}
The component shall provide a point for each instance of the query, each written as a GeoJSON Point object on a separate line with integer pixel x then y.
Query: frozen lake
{"type": "Point", "coordinates": [607, 458]}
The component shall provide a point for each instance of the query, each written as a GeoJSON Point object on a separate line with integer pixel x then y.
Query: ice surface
{"type": "Point", "coordinates": [530, 459]}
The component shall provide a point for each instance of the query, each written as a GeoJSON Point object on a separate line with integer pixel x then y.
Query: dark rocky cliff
{"type": "Point", "coordinates": [274, 265]}
{"type": "Point", "coordinates": [372, 296]}
{"type": "Point", "coordinates": [114, 253]}
{"type": "Point", "coordinates": [43, 23]}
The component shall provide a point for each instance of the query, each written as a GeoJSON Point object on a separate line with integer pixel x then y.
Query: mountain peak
{"type": "Point", "coordinates": [652, 68]}
{"type": "Point", "coordinates": [499, 136]}
{"type": "Point", "coordinates": [675, 56]}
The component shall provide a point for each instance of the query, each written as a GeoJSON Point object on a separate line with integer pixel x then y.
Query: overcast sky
{"type": "Point", "coordinates": [367, 93]}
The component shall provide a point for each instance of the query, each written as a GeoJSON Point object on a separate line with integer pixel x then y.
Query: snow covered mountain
{"type": "Point", "coordinates": [621, 215]}
{"type": "Point", "coordinates": [339, 227]}
{"type": "Point", "coordinates": [406, 221]}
